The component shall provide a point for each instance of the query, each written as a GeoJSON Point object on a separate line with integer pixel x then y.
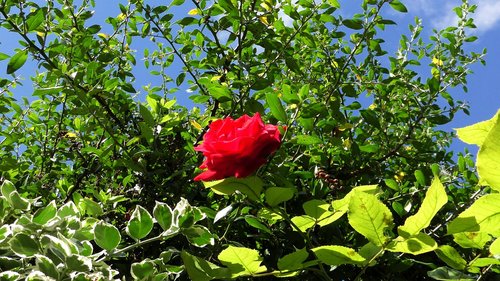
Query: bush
{"type": "Point", "coordinates": [97, 163]}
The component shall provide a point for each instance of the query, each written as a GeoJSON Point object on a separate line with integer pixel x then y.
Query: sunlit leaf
{"type": "Point", "coordinates": [434, 199]}
{"type": "Point", "coordinates": [337, 255]}
{"type": "Point", "coordinates": [250, 186]}
{"type": "Point", "coordinates": [241, 261]}
{"type": "Point", "coordinates": [415, 245]}
{"type": "Point", "coordinates": [477, 133]}
{"type": "Point", "coordinates": [488, 158]}
{"type": "Point", "coordinates": [278, 195]}
{"type": "Point", "coordinates": [483, 215]}
{"type": "Point", "coordinates": [451, 257]}
{"type": "Point", "coordinates": [370, 217]}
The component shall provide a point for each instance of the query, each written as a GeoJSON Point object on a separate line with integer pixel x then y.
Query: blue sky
{"type": "Point", "coordinates": [483, 95]}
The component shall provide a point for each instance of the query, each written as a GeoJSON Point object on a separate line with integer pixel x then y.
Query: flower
{"type": "Point", "coordinates": [236, 148]}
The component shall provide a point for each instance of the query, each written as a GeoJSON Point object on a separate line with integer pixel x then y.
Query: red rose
{"type": "Point", "coordinates": [236, 148]}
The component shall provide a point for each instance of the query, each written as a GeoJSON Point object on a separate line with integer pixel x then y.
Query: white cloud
{"type": "Point", "coordinates": [440, 13]}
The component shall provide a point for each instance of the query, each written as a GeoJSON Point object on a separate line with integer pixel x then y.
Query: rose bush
{"type": "Point", "coordinates": [236, 147]}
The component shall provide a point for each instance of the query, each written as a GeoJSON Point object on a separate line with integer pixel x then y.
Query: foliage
{"type": "Point", "coordinates": [97, 165]}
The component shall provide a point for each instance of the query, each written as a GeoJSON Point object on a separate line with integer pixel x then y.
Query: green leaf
{"type": "Point", "coordinates": [199, 236]}
{"type": "Point", "coordinates": [451, 257]}
{"type": "Point", "coordinates": [398, 6]}
{"type": "Point", "coordinates": [17, 61]}
{"type": "Point", "coordinates": [276, 107]}
{"type": "Point", "coordinates": [201, 270]}
{"type": "Point", "coordinates": [3, 56]}
{"type": "Point", "coordinates": [415, 245]}
{"type": "Point", "coordinates": [91, 208]}
{"type": "Point", "coordinates": [420, 177]}
{"type": "Point", "coordinates": [143, 270]}
{"type": "Point", "coordinates": [106, 236]}
{"type": "Point", "coordinates": [278, 195]}
{"type": "Point", "coordinates": [78, 263]}
{"type": "Point", "coordinates": [46, 266]}
{"type": "Point", "coordinates": [147, 116]}
{"type": "Point", "coordinates": [334, 3]}
{"type": "Point", "coordinates": [303, 222]}
{"type": "Point", "coordinates": [7, 188]}
{"type": "Point", "coordinates": [18, 202]}
{"type": "Point", "coordinates": [370, 217]}
{"type": "Point", "coordinates": [483, 215]}
{"type": "Point", "coordinates": [250, 186]}
{"type": "Point", "coordinates": [307, 140]}
{"type": "Point", "coordinates": [370, 117]}
{"type": "Point", "coordinates": [43, 215]}
{"type": "Point", "coordinates": [177, 2]}
{"type": "Point", "coordinates": [163, 215]}
{"type": "Point", "coordinates": [293, 261]}
{"type": "Point", "coordinates": [392, 184]}
{"type": "Point", "coordinates": [369, 148]}
{"type": "Point", "coordinates": [254, 222]}
{"type": "Point", "coordinates": [316, 208]}
{"type": "Point", "coordinates": [241, 261]}
{"type": "Point", "coordinates": [68, 209]}
{"type": "Point", "coordinates": [23, 245]}
{"type": "Point", "coordinates": [227, 5]}
{"type": "Point", "coordinates": [471, 239]}
{"type": "Point", "coordinates": [35, 19]}
{"type": "Point", "coordinates": [488, 158]}
{"type": "Point", "coordinates": [482, 262]}
{"type": "Point", "coordinates": [59, 244]}
{"type": "Point", "coordinates": [9, 276]}
{"type": "Point", "coordinates": [5, 232]}
{"type": "Point", "coordinates": [353, 23]}
{"type": "Point", "coordinates": [288, 96]}
{"type": "Point", "coordinates": [435, 198]}
{"type": "Point", "coordinates": [337, 255]}
{"type": "Point", "coordinates": [140, 223]}
{"type": "Point", "coordinates": [180, 78]}
{"type": "Point", "coordinates": [446, 273]}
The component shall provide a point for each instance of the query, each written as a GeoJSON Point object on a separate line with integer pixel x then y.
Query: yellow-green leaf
{"type": "Point", "coordinates": [482, 262]}
{"type": "Point", "coordinates": [488, 158]}
{"type": "Point", "coordinates": [342, 205]}
{"type": "Point", "coordinates": [451, 257]}
{"type": "Point", "coordinates": [471, 239]}
{"type": "Point", "coordinates": [241, 261]}
{"type": "Point", "coordinates": [435, 198]}
{"type": "Point", "coordinates": [477, 133]}
{"type": "Point", "coordinates": [483, 215]}
{"type": "Point", "coordinates": [495, 247]}
{"type": "Point", "coordinates": [337, 255]}
{"type": "Point", "coordinates": [415, 245]}
{"type": "Point", "coordinates": [278, 195]}
{"type": "Point", "coordinates": [250, 186]}
{"type": "Point", "coordinates": [304, 222]}
{"type": "Point", "coordinates": [370, 217]}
